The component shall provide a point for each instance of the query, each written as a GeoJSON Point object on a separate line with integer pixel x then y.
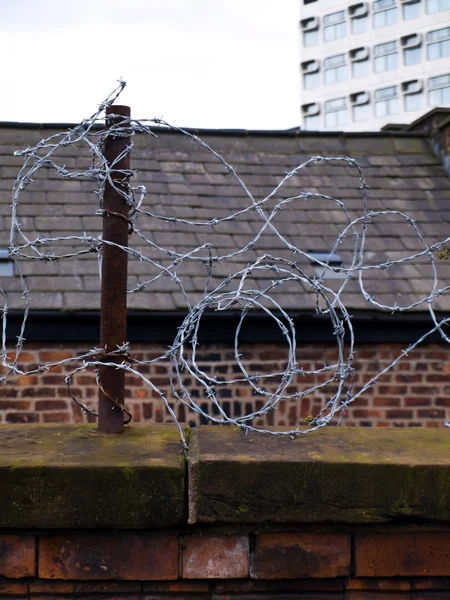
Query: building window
{"type": "Point", "coordinates": [311, 116]}
{"type": "Point", "coordinates": [336, 112]}
{"type": "Point", "coordinates": [412, 94]}
{"type": "Point", "coordinates": [360, 106]}
{"type": "Point", "coordinates": [438, 43]}
{"type": "Point", "coordinates": [385, 13]}
{"type": "Point", "coordinates": [386, 101]}
{"type": "Point", "coordinates": [434, 6]}
{"type": "Point", "coordinates": [385, 57]}
{"type": "Point", "coordinates": [6, 264]}
{"type": "Point", "coordinates": [334, 26]}
{"type": "Point", "coordinates": [411, 45]}
{"type": "Point", "coordinates": [359, 17]}
{"type": "Point", "coordinates": [310, 30]}
{"type": "Point", "coordinates": [311, 75]}
{"type": "Point", "coordinates": [333, 260]}
{"type": "Point", "coordinates": [411, 9]}
{"type": "Point", "coordinates": [335, 68]}
{"type": "Point", "coordinates": [359, 58]}
{"type": "Point", "coordinates": [439, 90]}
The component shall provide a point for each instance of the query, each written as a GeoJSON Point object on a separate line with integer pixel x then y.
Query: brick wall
{"type": "Point", "coordinates": [401, 563]}
{"type": "Point", "coordinates": [343, 514]}
{"type": "Point", "coordinates": [415, 393]}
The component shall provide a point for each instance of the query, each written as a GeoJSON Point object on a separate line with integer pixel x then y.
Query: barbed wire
{"type": "Point", "coordinates": [182, 354]}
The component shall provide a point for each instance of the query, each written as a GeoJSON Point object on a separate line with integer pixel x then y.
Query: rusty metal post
{"type": "Point", "coordinates": [113, 310]}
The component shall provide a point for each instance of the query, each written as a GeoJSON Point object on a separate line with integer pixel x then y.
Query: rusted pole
{"type": "Point", "coordinates": [113, 310]}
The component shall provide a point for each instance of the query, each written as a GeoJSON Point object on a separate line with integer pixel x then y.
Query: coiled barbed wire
{"type": "Point", "coordinates": [182, 353]}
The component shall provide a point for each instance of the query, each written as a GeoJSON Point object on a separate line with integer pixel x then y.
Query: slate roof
{"type": "Point", "coordinates": [185, 181]}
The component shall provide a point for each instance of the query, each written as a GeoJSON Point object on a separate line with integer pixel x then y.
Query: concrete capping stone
{"type": "Point", "coordinates": [68, 476]}
{"type": "Point", "coordinates": [333, 475]}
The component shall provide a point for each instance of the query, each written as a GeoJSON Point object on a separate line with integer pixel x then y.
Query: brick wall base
{"type": "Point", "coordinates": [413, 394]}
{"type": "Point", "coordinates": [401, 563]}
{"type": "Point", "coordinates": [339, 514]}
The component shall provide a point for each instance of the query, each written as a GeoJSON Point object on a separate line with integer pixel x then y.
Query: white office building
{"type": "Point", "coordinates": [366, 64]}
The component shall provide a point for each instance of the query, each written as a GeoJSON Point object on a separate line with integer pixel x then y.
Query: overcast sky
{"type": "Point", "coordinates": [197, 63]}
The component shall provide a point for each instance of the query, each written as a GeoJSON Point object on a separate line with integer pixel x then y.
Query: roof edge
{"type": "Point", "coordinates": [438, 110]}
{"type": "Point", "coordinates": [149, 327]}
{"type": "Point", "coordinates": [290, 133]}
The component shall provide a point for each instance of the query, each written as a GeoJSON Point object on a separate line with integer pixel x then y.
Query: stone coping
{"type": "Point", "coordinates": [67, 476]}
{"type": "Point", "coordinates": [336, 475]}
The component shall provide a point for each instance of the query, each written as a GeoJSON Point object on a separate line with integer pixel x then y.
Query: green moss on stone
{"type": "Point", "coordinates": [66, 476]}
{"type": "Point", "coordinates": [332, 475]}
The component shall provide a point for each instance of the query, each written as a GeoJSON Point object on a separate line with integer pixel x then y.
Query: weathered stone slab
{"type": "Point", "coordinates": [346, 475]}
{"type": "Point", "coordinates": [66, 476]}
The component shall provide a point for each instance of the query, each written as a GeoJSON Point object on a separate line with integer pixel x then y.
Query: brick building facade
{"type": "Point", "coordinates": [415, 393]}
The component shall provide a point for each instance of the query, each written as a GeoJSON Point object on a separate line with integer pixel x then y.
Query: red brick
{"type": "Point", "coordinates": [58, 597]}
{"type": "Point", "coordinates": [17, 556]}
{"type": "Point", "coordinates": [51, 587]}
{"type": "Point", "coordinates": [421, 366]}
{"type": "Point", "coordinates": [402, 554]}
{"type": "Point", "coordinates": [272, 587]}
{"type": "Point", "coordinates": [417, 378]}
{"type": "Point", "coordinates": [372, 584]}
{"type": "Point", "coordinates": [22, 417]}
{"type": "Point", "coordinates": [49, 356]}
{"type": "Point", "coordinates": [432, 413]}
{"type": "Point", "coordinates": [443, 401]}
{"type": "Point", "coordinates": [14, 404]}
{"type": "Point", "coordinates": [441, 583]}
{"type": "Point", "coordinates": [103, 587]}
{"type": "Point", "coordinates": [8, 392]}
{"type": "Point", "coordinates": [273, 355]}
{"type": "Point", "coordinates": [437, 378]}
{"type": "Point", "coordinates": [413, 401]}
{"type": "Point", "coordinates": [39, 392]}
{"type": "Point", "coordinates": [13, 589]}
{"type": "Point", "coordinates": [24, 357]}
{"type": "Point", "coordinates": [103, 556]}
{"type": "Point", "coordinates": [359, 413]}
{"type": "Point", "coordinates": [56, 417]}
{"type": "Point", "coordinates": [366, 353]}
{"type": "Point", "coordinates": [292, 555]}
{"type": "Point", "coordinates": [386, 401]}
{"type": "Point", "coordinates": [52, 379]}
{"type": "Point", "coordinates": [364, 595]}
{"type": "Point", "coordinates": [308, 353]}
{"type": "Point", "coordinates": [392, 389]}
{"type": "Point", "coordinates": [148, 410]}
{"type": "Point", "coordinates": [437, 354]}
{"type": "Point", "coordinates": [51, 405]}
{"type": "Point", "coordinates": [215, 556]}
{"type": "Point", "coordinates": [61, 392]}
{"type": "Point", "coordinates": [424, 390]}
{"type": "Point", "coordinates": [399, 414]}
{"type": "Point", "coordinates": [177, 587]}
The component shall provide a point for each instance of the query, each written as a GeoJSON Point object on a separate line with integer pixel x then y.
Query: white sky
{"type": "Point", "coordinates": [196, 63]}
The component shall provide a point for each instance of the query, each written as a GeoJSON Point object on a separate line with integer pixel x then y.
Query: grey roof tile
{"type": "Point", "coordinates": [190, 183]}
